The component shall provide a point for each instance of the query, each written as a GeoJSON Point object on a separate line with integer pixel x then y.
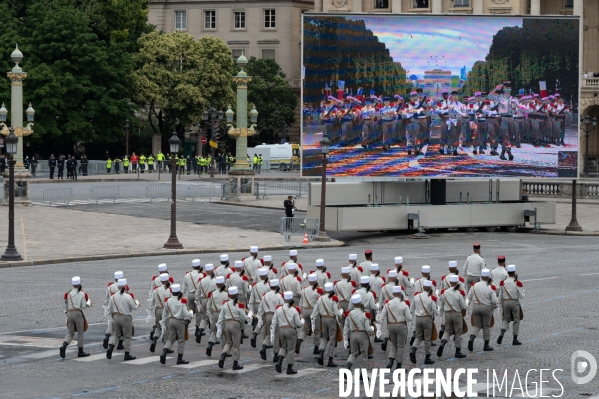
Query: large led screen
{"type": "Point", "coordinates": [440, 96]}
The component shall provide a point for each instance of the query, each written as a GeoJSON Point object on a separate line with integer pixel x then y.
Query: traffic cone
{"type": "Point", "coordinates": [306, 241]}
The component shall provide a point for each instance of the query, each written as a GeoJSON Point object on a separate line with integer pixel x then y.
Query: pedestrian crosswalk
{"type": "Point", "coordinates": [193, 365]}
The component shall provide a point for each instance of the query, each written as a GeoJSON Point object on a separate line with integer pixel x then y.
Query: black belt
{"type": "Point", "coordinates": [506, 116]}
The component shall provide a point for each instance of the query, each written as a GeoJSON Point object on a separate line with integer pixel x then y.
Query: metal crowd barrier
{"type": "Point", "coordinates": [203, 191]}
{"type": "Point", "coordinates": [163, 190]}
{"type": "Point", "coordinates": [58, 196]}
{"type": "Point", "coordinates": [229, 194]}
{"type": "Point", "coordinates": [298, 227]}
{"type": "Point", "coordinates": [104, 192]}
{"type": "Point", "coordinates": [297, 189]}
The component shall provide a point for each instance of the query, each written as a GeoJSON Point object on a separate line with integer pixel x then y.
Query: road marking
{"type": "Point", "coordinates": [146, 360]}
{"type": "Point", "coordinates": [91, 358]}
{"type": "Point", "coordinates": [197, 364]}
{"type": "Point", "coordinates": [17, 340]}
{"type": "Point", "coordinates": [538, 279]}
{"type": "Point", "coordinates": [589, 274]}
{"type": "Point", "coordinates": [49, 353]}
{"type": "Point", "coordinates": [246, 368]}
{"type": "Point", "coordinates": [300, 373]}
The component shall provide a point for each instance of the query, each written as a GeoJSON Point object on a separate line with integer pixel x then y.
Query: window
{"type": "Point", "coordinates": [569, 3]}
{"type": "Point", "coordinates": [180, 20]}
{"type": "Point", "coordinates": [381, 3]}
{"type": "Point", "coordinates": [269, 19]}
{"type": "Point", "coordinates": [239, 17]}
{"type": "Point", "coordinates": [268, 54]}
{"type": "Point", "coordinates": [236, 53]}
{"type": "Point", "coordinates": [420, 3]}
{"type": "Point", "coordinates": [210, 19]}
{"type": "Point", "coordinates": [461, 3]}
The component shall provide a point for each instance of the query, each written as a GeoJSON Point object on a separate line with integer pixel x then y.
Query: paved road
{"type": "Point", "coordinates": [559, 273]}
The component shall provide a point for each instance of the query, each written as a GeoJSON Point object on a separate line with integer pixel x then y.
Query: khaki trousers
{"type": "Point", "coordinates": [453, 326]}
{"type": "Point", "coordinates": [398, 335]}
{"type": "Point", "coordinates": [202, 316]}
{"type": "Point", "coordinates": [511, 309]}
{"type": "Point", "coordinates": [288, 341]}
{"type": "Point", "coordinates": [158, 316]}
{"type": "Point", "coordinates": [232, 334]}
{"type": "Point", "coordinates": [481, 315]}
{"type": "Point", "coordinates": [123, 328]}
{"type": "Point", "coordinates": [359, 345]}
{"type": "Point", "coordinates": [176, 331]}
{"type": "Point", "coordinates": [75, 323]}
{"type": "Point", "coordinates": [328, 335]}
{"type": "Point", "coordinates": [267, 324]}
{"type": "Point", "coordinates": [306, 314]}
{"type": "Point", "coordinates": [423, 331]}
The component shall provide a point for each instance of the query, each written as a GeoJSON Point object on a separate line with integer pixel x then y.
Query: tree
{"type": "Point", "coordinates": [177, 77]}
{"type": "Point", "coordinates": [272, 97]}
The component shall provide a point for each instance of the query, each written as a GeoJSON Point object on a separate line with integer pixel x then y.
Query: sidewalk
{"type": "Point", "coordinates": [587, 214]}
{"type": "Point", "coordinates": [45, 235]}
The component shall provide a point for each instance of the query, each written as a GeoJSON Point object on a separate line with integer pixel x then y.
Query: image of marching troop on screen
{"type": "Point", "coordinates": [440, 96]}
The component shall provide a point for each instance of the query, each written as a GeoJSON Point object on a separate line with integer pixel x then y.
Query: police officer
{"type": "Point", "coordinates": [394, 317]}
{"type": "Point", "coordinates": [259, 289]}
{"type": "Point", "coordinates": [108, 165]}
{"type": "Point", "coordinates": [424, 307]}
{"type": "Point", "coordinates": [483, 300]}
{"type": "Point", "coordinates": [270, 301]}
{"type": "Point", "coordinates": [151, 163]}
{"type": "Point", "coordinates": [326, 311]}
{"type": "Point", "coordinates": [177, 316]}
{"type": "Point", "coordinates": [126, 164]}
{"type": "Point", "coordinates": [307, 303]}
{"type": "Point", "coordinates": [357, 330]}
{"type": "Point", "coordinates": [111, 289]}
{"type": "Point", "coordinates": [255, 162]}
{"type": "Point", "coordinates": [287, 320]}
{"type": "Point", "coordinates": [473, 265]}
{"type": "Point", "coordinates": [232, 316]}
{"type": "Point", "coordinates": [190, 286]}
{"type": "Point", "coordinates": [160, 294]}
{"type": "Point", "coordinates": [205, 286]}
{"type": "Point", "coordinates": [452, 304]}
{"type": "Point", "coordinates": [60, 164]}
{"type": "Point", "coordinates": [120, 307]}
{"type": "Point", "coordinates": [52, 165]}
{"type": "Point", "coordinates": [216, 298]}
{"type": "Point", "coordinates": [142, 163]}
{"type": "Point", "coordinates": [75, 301]}
{"type": "Point", "coordinates": [160, 159]}
{"type": "Point", "coordinates": [511, 292]}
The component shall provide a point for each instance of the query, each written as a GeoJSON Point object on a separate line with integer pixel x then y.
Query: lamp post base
{"type": "Point", "coordinates": [573, 226]}
{"type": "Point", "coordinates": [173, 243]}
{"type": "Point", "coordinates": [11, 255]}
{"type": "Point", "coordinates": [322, 237]}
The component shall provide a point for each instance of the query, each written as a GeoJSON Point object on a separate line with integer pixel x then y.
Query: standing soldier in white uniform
{"type": "Point", "coordinates": [112, 288]}
{"type": "Point", "coordinates": [394, 317]}
{"type": "Point", "coordinates": [355, 269]}
{"type": "Point", "coordinates": [343, 290]}
{"type": "Point", "coordinates": [157, 304]}
{"type": "Point", "coordinates": [251, 265]}
{"type": "Point", "coordinates": [190, 287]}
{"type": "Point", "coordinates": [224, 269]}
{"type": "Point", "coordinates": [266, 311]}
{"type": "Point", "coordinates": [214, 303]}
{"type": "Point", "coordinates": [424, 308]}
{"type": "Point", "coordinates": [499, 273]}
{"type": "Point", "coordinates": [321, 271]}
{"type": "Point", "coordinates": [230, 320]}
{"type": "Point", "coordinates": [292, 282]}
{"type": "Point", "coordinates": [453, 303]}
{"type": "Point", "coordinates": [308, 300]}
{"type": "Point", "coordinates": [357, 330]}
{"type": "Point", "coordinates": [259, 289]}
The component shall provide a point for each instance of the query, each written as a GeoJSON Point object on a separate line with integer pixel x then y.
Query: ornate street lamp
{"type": "Point", "coordinates": [173, 242]}
{"type": "Point", "coordinates": [212, 115]}
{"type": "Point", "coordinates": [11, 253]}
{"type": "Point", "coordinates": [325, 145]}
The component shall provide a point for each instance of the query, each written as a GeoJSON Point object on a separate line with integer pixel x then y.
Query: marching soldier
{"type": "Point", "coordinates": [292, 282]}
{"type": "Point", "coordinates": [368, 302]}
{"type": "Point", "coordinates": [308, 300]}
{"type": "Point", "coordinates": [357, 330]}
{"type": "Point", "coordinates": [251, 265]}
{"type": "Point", "coordinates": [453, 270]}
{"type": "Point", "coordinates": [74, 302]}
{"type": "Point", "coordinates": [356, 271]}
{"type": "Point", "coordinates": [419, 284]}
{"type": "Point", "coordinates": [224, 269]}
{"type": "Point", "coordinates": [483, 300]}
{"type": "Point", "coordinates": [511, 291]}
{"type": "Point", "coordinates": [216, 298]}
{"type": "Point", "coordinates": [292, 259]}
{"type": "Point", "coordinates": [266, 310]}
{"type": "Point", "coordinates": [402, 275]}
{"type": "Point", "coordinates": [424, 307]}
{"type": "Point", "coordinates": [473, 265]}
{"type": "Point", "coordinates": [156, 280]}
{"type": "Point", "coordinates": [327, 310]}
{"type": "Point", "coordinates": [272, 272]}
{"type": "Point", "coordinates": [376, 281]}
{"type": "Point", "coordinates": [366, 264]}
{"type": "Point", "coordinates": [387, 289]}
{"type": "Point", "coordinates": [231, 319]}
{"type": "Point", "coordinates": [239, 280]}
{"type": "Point", "coordinates": [177, 316]}
{"type": "Point", "coordinates": [157, 304]}
{"type": "Point", "coordinates": [205, 285]}
{"type": "Point", "coordinates": [453, 303]}
{"type": "Point", "coordinates": [499, 273]}
{"type": "Point", "coordinates": [343, 290]}
{"type": "Point", "coordinates": [321, 271]}
{"type": "Point", "coordinates": [120, 306]}
{"type": "Point", "coordinates": [259, 289]}
{"type": "Point", "coordinates": [190, 286]}
{"type": "Point", "coordinates": [394, 316]}
{"type": "Point", "coordinates": [287, 320]}
{"type": "Point", "coordinates": [112, 288]}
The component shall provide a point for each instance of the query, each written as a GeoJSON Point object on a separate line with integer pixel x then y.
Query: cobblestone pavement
{"type": "Point", "coordinates": [559, 274]}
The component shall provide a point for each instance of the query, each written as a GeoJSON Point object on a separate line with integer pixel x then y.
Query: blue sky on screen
{"type": "Point", "coordinates": [448, 43]}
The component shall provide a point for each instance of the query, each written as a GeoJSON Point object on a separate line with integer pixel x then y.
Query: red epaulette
{"type": "Point", "coordinates": [111, 294]}
{"type": "Point", "coordinates": [155, 287]}
{"type": "Point", "coordinates": [242, 259]}
{"type": "Point", "coordinates": [298, 309]}
{"type": "Point", "coordinates": [153, 278]}
{"type": "Point", "coordinates": [66, 295]}
{"type": "Point", "coordinates": [262, 262]}
{"type": "Point", "coordinates": [384, 280]}
{"type": "Point", "coordinates": [283, 264]}
{"type": "Point", "coordinates": [462, 279]}
{"type": "Point", "coordinates": [360, 269]}
{"type": "Point", "coordinates": [131, 294]}
{"type": "Point", "coordinates": [245, 278]}
{"type": "Point", "coordinates": [254, 284]}
{"type": "Point", "coordinates": [210, 294]}
{"type": "Point", "coordinates": [388, 270]}
{"type": "Point", "coordinates": [473, 283]}
{"type": "Point", "coordinates": [442, 277]}
{"type": "Point", "coordinates": [352, 291]}
{"type": "Point", "coordinates": [241, 305]}
{"type": "Point", "coordinates": [170, 290]}
{"type": "Point", "coordinates": [225, 301]}
{"type": "Point", "coordinates": [335, 298]}
{"type": "Point", "coordinates": [519, 284]}
{"type": "Point", "coordinates": [493, 287]}
{"type": "Point", "coordinates": [354, 284]}
{"type": "Point", "coordinates": [386, 302]}
{"type": "Point", "coordinates": [442, 292]}
{"type": "Point", "coordinates": [274, 270]}
{"type": "Point", "coordinates": [299, 279]}
{"type": "Point", "coordinates": [434, 283]}
{"type": "Point", "coordinates": [281, 295]}
{"type": "Point", "coordinates": [501, 283]}
{"type": "Point", "coordinates": [109, 283]}
{"type": "Point", "coordinates": [172, 280]}
{"type": "Point", "coordinates": [373, 294]}
{"type": "Point", "coordinates": [300, 266]}
{"type": "Point", "coordinates": [86, 297]}
{"type": "Point", "coordinates": [200, 279]}
{"type": "Point", "coordinates": [334, 283]}
{"type": "Point", "coordinates": [463, 292]}
{"type": "Point", "coordinates": [264, 294]}
{"type": "Point", "coordinates": [328, 275]}
{"type": "Point", "coordinates": [405, 273]}
{"type": "Point", "coordinates": [434, 298]}
{"type": "Point", "coordinates": [346, 313]}
{"type": "Point", "coordinates": [227, 276]}
{"type": "Point", "coordinates": [402, 288]}
{"type": "Point", "coordinates": [407, 302]}
{"type": "Point", "coordinates": [278, 306]}
{"type": "Point", "coordinates": [311, 272]}
{"type": "Point", "coordinates": [367, 315]}
{"type": "Point", "coordinates": [165, 299]}
{"type": "Point", "coordinates": [186, 272]}
{"type": "Point", "coordinates": [320, 291]}
{"type": "Point", "coordinates": [183, 300]}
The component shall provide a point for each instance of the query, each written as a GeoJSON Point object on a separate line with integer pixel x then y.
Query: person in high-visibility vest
{"type": "Point", "coordinates": [126, 164]}
{"type": "Point", "coordinates": [197, 165]}
{"type": "Point", "coordinates": [255, 162]}
{"type": "Point", "coordinates": [181, 165]}
{"type": "Point", "coordinates": [151, 163]}
{"type": "Point", "coordinates": [259, 163]}
{"type": "Point", "coordinates": [160, 159]}
{"type": "Point", "coordinates": [108, 165]}
{"type": "Point", "coordinates": [142, 163]}
{"type": "Point", "coordinates": [230, 161]}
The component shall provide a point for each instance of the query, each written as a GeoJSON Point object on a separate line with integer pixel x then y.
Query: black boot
{"type": "Point", "coordinates": [180, 359]}
{"type": "Point", "coordinates": [412, 340]}
{"type": "Point", "coordinates": [398, 366]}
{"type": "Point", "coordinates": [321, 357]}
{"type": "Point", "coordinates": [515, 341]}
{"type": "Point", "coordinates": [509, 153]}
{"type": "Point", "coordinates": [236, 365]}
{"type": "Point", "coordinates": [170, 351]}
{"type": "Point", "coordinates": [221, 362]}
{"type": "Point", "coordinates": [209, 349]}
{"type": "Point", "coordinates": [163, 356]}
{"type": "Point", "coordinates": [441, 347]}
{"type": "Point", "coordinates": [120, 346]}
{"type": "Point", "coordinates": [105, 342]}
{"type": "Point", "coordinates": [109, 351]}
{"type": "Point", "coordinates": [459, 354]}
{"type": "Point", "coordinates": [471, 342]}
{"type": "Point", "coordinates": [199, 333]}
{"type": "Point", "coordinates": [487, 348]}
{"type": "Point", "coordinates": [290, 369]}
{"type": "Point", "coordinates": [331, 363]}
{"type": "Point", "coordinates": [263, 352]}
{"type": "Point", "coordinates": [316, 351]}
{"type": "Point", "coordinates": [243, 334]}
{"type": "Point", "coordinates": [63, 349]}
{"type": "Point", "coordinates": [413, 355]}
{"type": "Point", "coordinates": [152, 333]}
{"type": "Point", "coordinates": [428, 360]}
{"type": "Point", "coordinates": [279, 364]}
{"type": "Point", "coordinates": [455, 151]}
{"type": "Point", "coordinates": [390, 363]}
{"type": "Point", "coordinates": [85, 354]}
{"type": "Point", "coordinates": [253, 340]}
{"type": "Point", "coordinates": [153, 346]}
{"type": "Point", "coordinates": [502, 156]}
{"type": "Point", "coordinates": [500, 338]}
{"type": "Point", "coordinates": [494, 152]}
{"type": "Point", "coordinates": [275, 358]}
{"type": "Point", "coordinates": [384, 345]}
{"type": "Point", "coordinates": [129, 357]}
{"type": "Point", "coordinates": [196, 331]}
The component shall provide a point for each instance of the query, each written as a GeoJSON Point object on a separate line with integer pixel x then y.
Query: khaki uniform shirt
{"type": "Point", "coordinates": [395, 311]}
{"type": "Point", "coordinates": [482, 293]}
{"type": "Point", "coordinates": [232, 312]}
{"type": "Point", "coordinates": [215, 300]}
{"type": "Point", "coordinates": [423, 303]}
{"type": "Point", "coordinates": [309, 297]}
{"type": "Point", "coordinates": [269, 303]}
{"type": "Point", "coordinates": [205, 286]}
{"type": "Point", "coordinates": [258, 290]}
{"type": "Point", "coordinates": [473, 265]}
{"type": "Point", "coordinates": [158, 297]}
{"type": "Point", "coordinates": [75, 300]}
{"type": "Point", "coordinates": [368, 303]}
{"type": "Point", "coordinates": [508, 289]}
{"type": "Point", "coordinates": [291, 283]}
{"type": "Point", "coordinates": [498, 275]}
{"type": "Point", "coordinates": [190, 282]}
{"type": "Point", "coordinates": [344, 289]}
{"type": "Point", "coordinates": [286, 316]}
{"type": "Point", "coordinates": [326, 307]}
{"type": "Point", "coordinates": [175, 309]}
{"type": "Point", "coordinates": [122, 303]}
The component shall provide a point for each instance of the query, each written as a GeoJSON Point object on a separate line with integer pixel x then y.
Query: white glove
{"type": "Point", "coordinates": [371, 330]}
{"type": "Point", "coordinates": [150, 315]}
{"type": "Point", "coordinates": [379, 307]}
{"type": "Point", "coordinates": [304, 275]}
{"type": "Point", "coordinates": [313, 325]}
{"type": "Point", "coordinates": [250, 314]}
{"type": "Point", "coordinates": [219, 330]}
{"type": "Point", "coordinates": [110, 322]}
{"type": "Point", "coordinates": [198, 306]}
{"type": "Point", "coordinates": [436, 292]}
{"type": "Point", "coordinates": [260, 323]}
{"type": "Point", "coordinates": [191, 311]}
{"type": "Point", "coordinates": [412, 280]}
{"type": "Point", "coordinates": [137, 303]}
{"type": "Point", "coordinates": [163, 330]}
{"type": "Point", "coordinates": [467, 301]}
{"type": "Point", "coordinates": [345, 343]}
{"type": "Point", "coordinates": [88, 303]}
{"type": "Point", "coordinates": [106, 313]}
{"type": "Point", "coordinates": [272, 334]}
{"type": "Point", "coordinates": [378, 330]}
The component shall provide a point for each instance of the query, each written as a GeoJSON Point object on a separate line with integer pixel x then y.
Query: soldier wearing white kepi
{"type": "Point", "coordinates": [308, 300]}
{"type": "Point", "coordinates": [292, 282]}
{"type": "Point", "coordinates": [511, 292]}
{"type": "Point", "coordinates": [453, 303]}
{"type": "Point", "coordinates": [205, 285]}
{"type": "Point", "coordinates": [473, 265]}
{"type": "Point", "coordinates": [157, 304]}
{"type": "Point", "coordinates": [272, 271]}
{"type": "Point", "coordinates": [259, 289]}
{"type": "Point", "coordinates": [292, 260]}
{"type": "Point", "coordinates": [74, 302]}
{"type": "Point", "coordinates": [403, 276]}
{"type": "Point", "coordinates": [239, 280]}
{"type": "Point", "coordinates": [327, 310]}
{"type": "Point", "coordinates": [419, 284]}
{"type": "Point", "coordinates": [453, 270]}
{"type": "Point", "coordinates": [321, 271]}
{"type": "Point", "coordinates": [215, 301]}
{"type": "Point", "coordinates": [179, 317]}
{"type": "Point", "coordinates": [356, 270]}
{"type": "Point", "coordinates": [230, 321]}
{"type": "Point", "coordinates": [483, 300]}
{"type": "Point", "coordinates": [376, 281]}
{"type": "Point", "coordinates": [224, 269]}
{"type": "Point", "coordinates": [112, 288]}
{"type": "Point", "coordinates": [251, 265]}
{"type": "Point", "coordinates": [190, 286]}
{"type": "Point", "coordinates": [394, 317]}
{"type": "Point", "coordinates": [162, 268]}
{"type": "Point", "coordinates": [344, 289]}
{"type": "Point", "coordinates": [120, 307]}
{"type": "Point", "coordinates": [266, 311]}
{"type": "Point", "coordinates": [424, 307]}
{"type": "Point", "coordinates": [499, 273]}
{"type": "Point", "coordinates": [357, 330]}
{"type": "Point", "coordinates": [289, 323]}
